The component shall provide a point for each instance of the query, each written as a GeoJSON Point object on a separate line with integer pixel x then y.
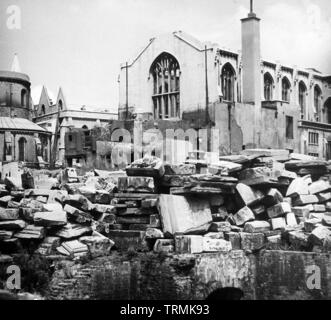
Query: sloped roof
{"type": "Point", "coordinates": [7, 123]}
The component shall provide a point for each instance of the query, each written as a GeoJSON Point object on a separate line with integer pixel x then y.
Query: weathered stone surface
{"type": "Point", "coordinates": [164, 245]}
{"type": "Point", "coordinates": [272, 198]}
{"type": "Point", "coordinates": [12, 225]}
{"type": "Point", "coordinates": [153, 233]}
{"type": "Point", "coordinates": [31, 232]}
{"type": "Point", "coordinates": [220, 227]}
{"type": "Point", "coordinates": [4, 200]}
{"type": "Point", "coordinates": [324, 197]}
{"type": "Point", "coordinates": [305, 199]}
{"type": "Point", "coordinates": [180, 169]}
{"type": "Point", "coordinates": [4, 235]}
{"type": "Point", "coordinates": [78, 215]}
{"type": "Point", "coordinates": [316, 215]}
{"type": "Point", "coordinates": [310, 224]}
{"type": "Point", "coordinates": [215, 235]}
{"type": "Point", "coordinates": [326, 219]}
{"type": "Point", "coordinates": [98, 245]}
{"type": "Point", "coordinates": [258, 176]}
{"type": "Point", "coordinates": [50, 207]}
{"type": "Point", "coordinates": [109, 218]}
{"type": "Point", "coordinates": [154, 221]}
{"type": "Point", "coordinates": [49, 245]}
{"type": "Point", "coordinates": [291, 220]}
{"type": "Point", "coordinates": [298, 239]}
{"type": "Point", "coordinates": [319, 208]}
{"type": "Point", "coordinates": [243, 215]}
{"type": "Point", "coordinates": [80, 202]}
{"type": "Point", "coordinates": [125, 239]}
{"type": "Point", "coordinates": [234, 238]}
{"type": "Point", "coordinates": [70, 231]}
{"type": "Point", "coordinates": [216, 245]}
{"type": "Point", "coordinates": [319, 186]}
{"type": "Point", "coordinates": [9, 214]}
{"type": "Point", "coordinates": [252, 241]}
{"type": "Point", "coordinates": [274, 242]}
{"type": "Point", "coordinates": [279, 210]}
{"type": "Point", "coordinates": [318, 235]}
{"type": "Point", "coordinates": [189, 244]}
{"type": "Point", "coordinates": [288, 200]}
{"type": "Point", "coordinates": [301, 211]}
{"type": "Point", "coordinates": [258, 209]}
{"type": "Point", "coordinates": [288, 175]}
{"type": "Point", "coordinates": [184, 215]}
{"type": "Point", "coordinates": [298, 186]}
{"type": "Point", "coordinates": [73, 248]}
{"type": "Point", "coordinates": [278, 223]}
{"type": "Point", "coordinates": [149, 203]}
{"type": "Point", "coordinates": [247, 196]}
{"type": "Point", "coordinates": [102, 208]}
{"type": "Point", "coordinates": [257, 227]}
{"type": "Point", "coordinates": [136, 184]}
{"type": "Point", "coordinates": [50, 219]}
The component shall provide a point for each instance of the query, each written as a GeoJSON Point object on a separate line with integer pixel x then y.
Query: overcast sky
{"type": "Point", "coordinates": [79, 44]}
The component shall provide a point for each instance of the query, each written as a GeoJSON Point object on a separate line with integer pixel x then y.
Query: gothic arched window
{"type": "Point", "coordinates": [228, 80]}
{"type": "Point", "coordinates": [268, 87]}
{"type": "Point", "coordinates": [302, 98]}
{"type": "Point", "coordinates": [23, 98]}
{"type": "Point", "coordinates": [165, 71]}
{"type": "Point", "coordinates": [317, 102]}
{"type": "Point", "coordinates": [286, 89]}
{"type": "Point", "coordinates": [60, 105]}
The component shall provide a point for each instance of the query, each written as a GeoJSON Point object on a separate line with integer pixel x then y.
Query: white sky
{"type": "Point", "coordinates": [79, 44]}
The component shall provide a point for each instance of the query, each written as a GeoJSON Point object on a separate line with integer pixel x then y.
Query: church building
{"type": "Point", "coordinates": [254, 103]}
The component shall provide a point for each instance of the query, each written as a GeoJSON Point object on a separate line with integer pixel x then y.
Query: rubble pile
{"type": "Point", "coordinates": [261, 199]}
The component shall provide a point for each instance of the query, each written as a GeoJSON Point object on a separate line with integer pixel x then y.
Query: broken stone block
{"type": "Point", "coordinates": [78, 215]}
{"type": "Point", "coordinates": [153, 233]}
{"type": "Point", "coordinates": [258, 176]}
{"type": "Point", "coordinates": [136, 184]}
{"type": "Point", "coordinates": [234, 238]}
{"type": "Point", "coordinates": [70, 231]}
{"type": "Point", "coordinates": [184, 214]}
{"type": "Point", "coordinates": [318, 235]}
{"type": "Point", "coordinates": [257, 227]}
{"type": "Point", "coordinates": [324, 197]}
{"type": "Point", "coordinates": [12, 225]}
{"type": "Point", "coordinates": [291, 220]}
{"type": "Point", "coordinates": [27, 214]}
{"type": "Point", "coordinates": [247, 196]}
{"type": "Point", "coordinates": [80, 202]}
{"type": "Point", "coordinates": [278, 223]}
{"type": "Point", "coordinates": [42, 199]}
{"type": "Point", "coordinates": [288, 200]}
{"type": "Point", "coordinates": [73, 248]}
{"type": "Point", "coordinates": [13, 205]}
{"type": "Point", "coordinates": [9, 214]}
{"type": "Point", "coordinates": [288, 175]}
{"type": "Point", "coordinates": [319, 186]}
{"type": "Point", "coordinates": [279, 210]}
{"type": "Point", "coordinates": [274, 242]}
{"type": "Point", "coordinates": [102, 208]}
{"type": "Point", "coordinates": [310, 224]}
{"type": "Point", "coordinates": [326, 219]}
{"type": "Point", "coordinates": [258, 210]}
{"type": "Point", "coordinates": [13, 183]}
{"type": "Point", "coordinates": [319, 208]}
{"type": "Point", "coordinates": [180, 169]}
{"type": "Point", "coordinates": [98, 245]}
{"type": "Point", "coordinates": [125, 239]}
{"type": "Point", "coordinates": [215, 235]}
{"type": "Point", "coordinates": [109, 218]}
{"type": "Point", "coordinates": [316, 215]}
{"type": "Point", "coordinates": [298, 240]}
{"type": "Point", "coordinates": [243, 215]}
{"type": "Point", "coordinates": [5, 235]}
{"type": "Point", "coordinates": [216, 245]}
{"type": "Point", "coordinates": [50, 207]}
{"type": "Point", "coordinates": [50, 219]}
{"type": "Point", "coordinates": [49, 245]}
{"type": "Point", "coordinates": [302, 200]}
{"type": "Point", "coordinates": [149, 203]}
{"type": "Point", "coordinates": [272, 198]}
{"type": "Point", "coordinates": [189, 244]}
{"type": "Point", "coordinates": [252, 241]}
{"type": "Point", "coordinates": [164, 245]}
{"type": "Point", "coordinates": [301, 211]}
{"type": "Point", "coordinates": [298, 186]}
{"type": "Point", "coordinates": [4, 200]}
{"type": "Point", "coordinates": [220, 227]}
{"type": "Point", "coordinates": [31, 232]}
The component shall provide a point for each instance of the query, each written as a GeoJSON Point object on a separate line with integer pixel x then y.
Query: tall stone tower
{"type": "Point", "coordinates": [251, 61]}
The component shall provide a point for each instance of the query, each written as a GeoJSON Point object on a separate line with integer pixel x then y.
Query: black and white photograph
{"type": "Point", "coordinates": [174, 152]}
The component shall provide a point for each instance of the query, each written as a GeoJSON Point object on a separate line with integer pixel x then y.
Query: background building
{"type": "Point", "coordinates": [254, 103]}
{"type": "Point", "coordinates": [20, 138]}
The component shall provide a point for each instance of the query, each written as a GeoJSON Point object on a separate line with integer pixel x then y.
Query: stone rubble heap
{"type": "Point", "coordinates": [261, 200]}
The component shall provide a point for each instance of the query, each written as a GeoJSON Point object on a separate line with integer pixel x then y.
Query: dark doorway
{"type": "Point", "coordinates": [21, 149]}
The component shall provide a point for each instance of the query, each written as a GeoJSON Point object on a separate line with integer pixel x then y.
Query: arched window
{"type": "Point", "coordinates": [21, 149]}
{"type": "Point", "coordinates": [23, 98]}
{"type": "Point", "coordinates": [86, 130]}
{"type": "Point", "coordinates": [327, 108]}
{"type": "Point", "coordinates": [60, 105]}
{"type": "Point", "coordinates": [43, 110]}
{"type": "Point", "coordinates": [286, 89]}
{"type": "Point", "coordinates": [317, 102]}
{"type": "Point", "coordinates": [228, 80]}
{"type": "Point", "coordinates": [165, 71]}
{"type": "Point", "coordinates": [302, 98]}
{"type": "Point", "coordinates": [268, 87]}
